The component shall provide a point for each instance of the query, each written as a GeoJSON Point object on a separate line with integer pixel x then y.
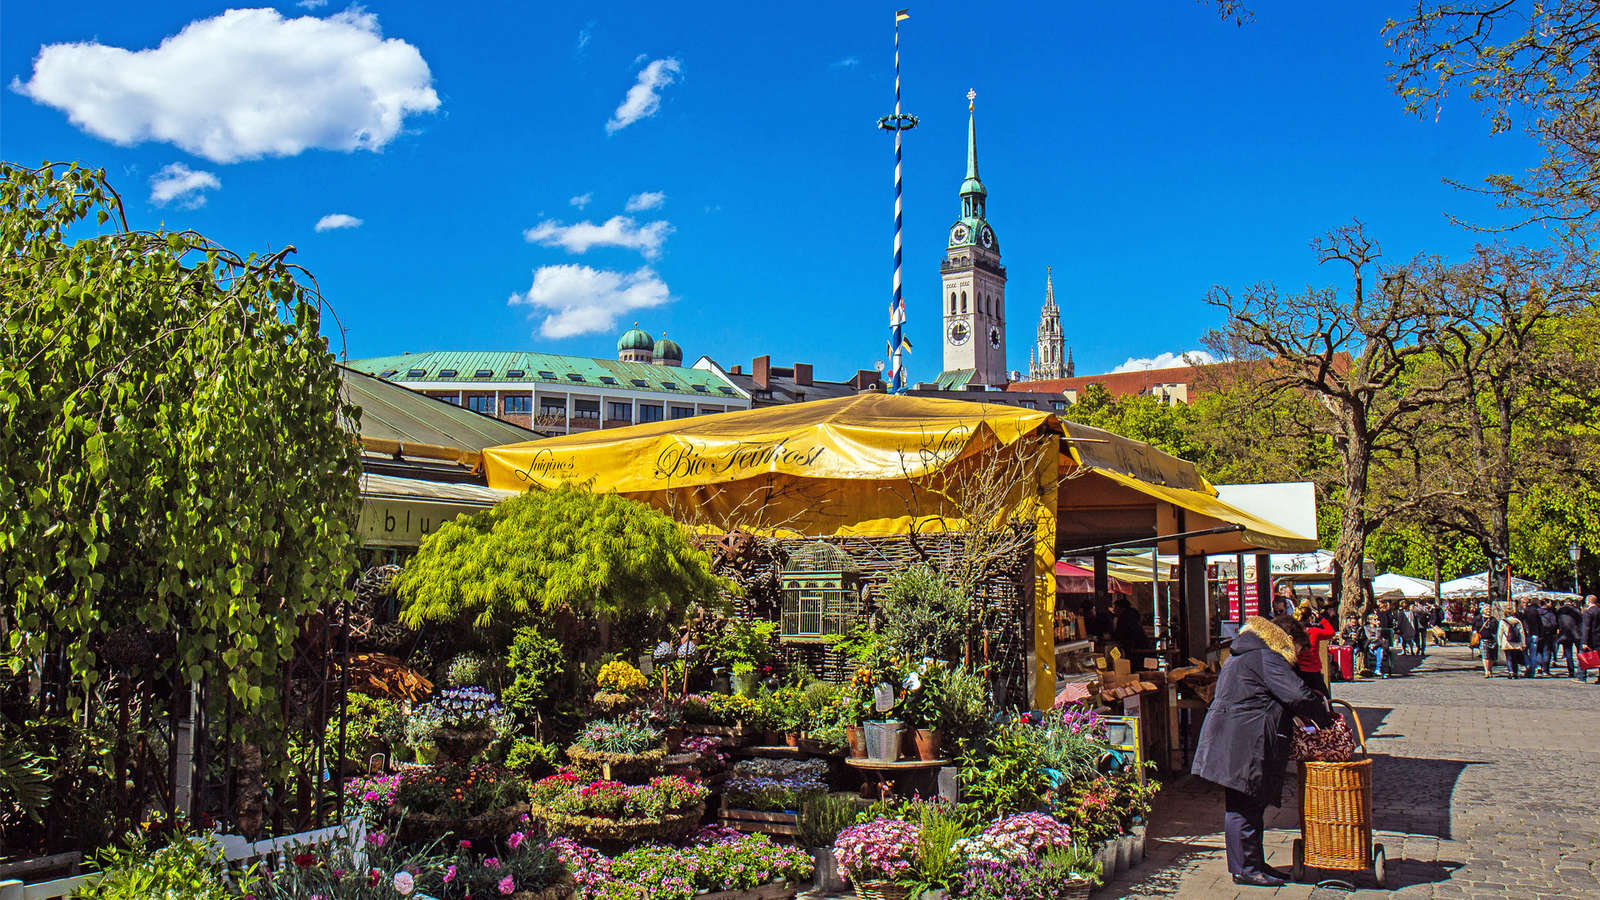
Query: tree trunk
{"type": "Point", "coordinates": [1351, 550]}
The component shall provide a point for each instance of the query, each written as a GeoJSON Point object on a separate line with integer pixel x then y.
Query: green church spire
{"type": "Point", "coordinates": [972, 185]}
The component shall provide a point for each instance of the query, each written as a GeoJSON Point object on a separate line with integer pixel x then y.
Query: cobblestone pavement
{"type": "Point", "coordinates": [1482, 788]}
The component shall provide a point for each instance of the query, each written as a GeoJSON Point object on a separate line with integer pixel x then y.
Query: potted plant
{"type": "Point", "coordinates": [821, 819]}
{"type": "Point", "coordinates": [875, 855]}
{"type": "Point", "coordinates": [923, 707]}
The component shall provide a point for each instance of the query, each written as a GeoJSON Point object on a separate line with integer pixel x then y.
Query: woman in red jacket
{"type": "Point", "coordinates": [1309, 661]}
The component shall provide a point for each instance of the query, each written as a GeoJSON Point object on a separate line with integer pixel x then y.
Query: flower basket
{"type": "Point", "coordinates": [422, 827]}
{"type": "Point", "coordinates": [1076, 889]}
{"type": "Point", "coordinates": [618, 765]}
{"type": "Point", "coordinates": [460, 746]}
{"type": "Point", "coordinates": [777, 890]}
{"type": "Point", "coordinates": [591, 829]}
{"type": "Point", "coordinates": [609, 703]}
{"type": "Point", "coordinates": [881, 890]}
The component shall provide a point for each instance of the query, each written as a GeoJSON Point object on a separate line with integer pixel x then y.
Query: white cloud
{"type": "Point", "coordinates": [243, 85]}
{"type": "Point", "coordinates": [1166, 361]}
{"type": "Point", "coordinates": [177, 183]}
{"type": "Point", "coordinates": [581, 200]}
{"type": "Point", "coordinates": [332, 221]}
{"type": "Point", "coordinates": [582, 300]}
{"type": "Point", "coordinates": [312, 4]}
{"type": "Point", "coordinates": [644, 201]}
{"type": "Point", "coordinates": [849, 62]}
{"type": "Point", "coordinates": [617, 231]}
{"type": "Point", "coordinates": [585, 34]}
{"type": "Point", "coordinates": [644, 97]}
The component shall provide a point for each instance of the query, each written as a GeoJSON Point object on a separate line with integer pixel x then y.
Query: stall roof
{"type": "Point", "coordinates": [1255, 533]}
{"type": "Point", "coordinates": [393, 487]}
{"type": "Point", "coordinates": [1392, 584]}
{"type": "Point", "coordinates": [400, 415]}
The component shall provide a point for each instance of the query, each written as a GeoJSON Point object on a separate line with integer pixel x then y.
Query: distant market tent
{"type": "Point", "coordinates": [1390, 585]}
{"type": "Point", "coordinates": [1478, 586]}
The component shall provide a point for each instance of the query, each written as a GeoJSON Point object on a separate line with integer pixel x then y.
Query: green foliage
{"type": "Point", "coordinates": [968, 708]}
{"type": "Point", "coordinates": [936, 865]}
{"type": "Point", "coordinates": [561, 552]}
{"type": "Point", "coordinates": [620, 736]}
{"type": "Point", "coordinates": [744, 645]}
{"type": "Point", "coordinates": [24, 785]}
{"type": "Point", "coordinates": [534, 759]}
{"type": "Point", "coordinates": [368, 721]}
{"type": "Point", "coordinates": [468, 669]}
{"type": "Point", "coordinates": [180, 870]}
{"type": "Point", "coordinates": [536, 665]}
{"type": "Point", "coordinates": [1007, 774]}
{"type": "Point", "coordinates": [823, 816]}
{"type": "Point", "coordinates": [924, 614]}
{"type": "Point", "coordinates": [174, 452]}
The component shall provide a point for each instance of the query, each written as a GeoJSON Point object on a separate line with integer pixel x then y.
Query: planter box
{"type": "Point", "coordinates": [754, 821]}
{"type": "Point", "coordinates": [777, 890]}
{"type": "Point", "coordinates": [732, 735]}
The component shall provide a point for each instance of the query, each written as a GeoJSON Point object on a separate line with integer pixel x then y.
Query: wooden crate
{"type": "Point", "coordinates": [751, 821]}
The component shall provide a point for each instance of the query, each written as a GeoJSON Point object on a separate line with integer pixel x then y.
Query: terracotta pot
{"type": "Point", "coordinates": [856, 741]}
{"type": "Point", "coordinates": [773, 739]}
{"type": "Point", "coordinates": [928, 741]}
{"type": "Point", "coordinates": [791, 738]}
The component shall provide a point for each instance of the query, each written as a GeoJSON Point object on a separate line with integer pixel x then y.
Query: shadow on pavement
{"type": "Point", "coordinates": [1412, 795]}
{"type": "Point", "coordinates": [1402, 873]}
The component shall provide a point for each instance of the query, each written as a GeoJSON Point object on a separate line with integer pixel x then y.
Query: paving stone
{"type": "Point", "coordinates": [1479, 790]}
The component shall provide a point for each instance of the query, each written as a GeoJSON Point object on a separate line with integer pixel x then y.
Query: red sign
{"type": "Point", "coordinates": [1252, 603]}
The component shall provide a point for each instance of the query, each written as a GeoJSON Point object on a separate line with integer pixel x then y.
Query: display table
{"type": "Point", "coordinates": [883, 775]}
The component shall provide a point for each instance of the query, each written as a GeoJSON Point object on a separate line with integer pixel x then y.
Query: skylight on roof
{"type": "Point", "coordinates": [607, 379]}
{"type": "Point", "coordinates": [545, 374]}
{"type": "Point", "coordinates": [517, 373]}
{"type": "Point", "coordinates": [386, 373]}
{"type": "Point", "coordinates": [448, 373]}
{"type": "Point", "coordinates": [702, 389]}
{"type": "Point", "coordinates": [483, 373]}
{"type": "Point", "coordinates": [669, 385]}
{"type": "Point", "coordinates": [574, 376]}
{"type": "Point", "coordinates": [639, 382]}
{"type": "Point", "coordinates": [728, 391]}
{"type": "Point", "coordinates": [416, 373]}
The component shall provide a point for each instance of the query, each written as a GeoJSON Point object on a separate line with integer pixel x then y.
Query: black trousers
{"type": "Point", "coordinates": [1242, 823]}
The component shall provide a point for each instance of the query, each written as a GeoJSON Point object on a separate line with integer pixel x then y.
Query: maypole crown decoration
{"type": "Point", "coordinates": [898, 123]}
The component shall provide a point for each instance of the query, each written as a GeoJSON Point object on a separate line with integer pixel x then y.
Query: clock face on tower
{"type": "Point", "coordinates": [958, 333]}
{"type": "Point", "coordinates": [986, 236]}
{"type": "Point", "coordinates": [994, 336]}
{"type": "Point", "coordinates": [958, 234]}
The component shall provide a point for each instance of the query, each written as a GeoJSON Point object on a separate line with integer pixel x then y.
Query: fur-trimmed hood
{"type": "Point", "coordinates": [1276, 639]}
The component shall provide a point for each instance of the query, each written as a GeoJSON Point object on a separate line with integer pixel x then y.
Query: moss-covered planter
{"type": "Point", "coordinates": [621, 765]}
{"type": "Point", "coordinates": [460, 746]}
{"type": "Point", "coordinates": [595, 830]}
{"type": "Point", "coordinates": [561, 890]}
{"type": "Point", "coordinates": [422, 827]}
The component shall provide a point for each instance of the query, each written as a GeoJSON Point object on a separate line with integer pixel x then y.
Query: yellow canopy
{"type": "Point", "coordinates": [1207, 511]}
{"type": "Point", "coordinates": [869, 464]}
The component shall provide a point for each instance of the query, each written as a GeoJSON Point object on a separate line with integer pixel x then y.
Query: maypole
{"type": "Point", "coordinates": [897, 123]}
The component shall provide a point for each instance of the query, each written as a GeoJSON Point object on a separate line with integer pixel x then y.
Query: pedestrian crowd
{"type": "Point", "coordinates": [1531, 639]}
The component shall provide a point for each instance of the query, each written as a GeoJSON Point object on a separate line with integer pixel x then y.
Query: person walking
{"type": "Point", "coordinates": [1405, 625]}
{"type": "Point", "coordinates": [1309, 662]}
{"type": "Point", "coordinates": [1549, 628]}
{"type": "Point", "coordinates": [1377, 642]}
{"type": "Point", "coordinates": [1569, 624]}
{"type": "Point", "coordinates": [1529, 617]}
{"type": "Point", "coordinates": [1488, 640]}
{"type": "Point", "coordinates": [1590, 631]}
{"type": "Point", "coordinates": [1244, 743]}
{"type": "Point", "coordinates": [1513, 640]}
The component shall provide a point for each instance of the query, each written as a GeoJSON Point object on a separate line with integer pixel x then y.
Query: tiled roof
{"type": "Point", "coordinates": [954, 379]}
{"type": "Point", "coordinates": [542, 368]}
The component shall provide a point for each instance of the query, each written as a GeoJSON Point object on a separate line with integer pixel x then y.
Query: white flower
{"type": "Point", "coordinates": [403, 882]}
{"type": "Point", "coordinates": [912, 682]}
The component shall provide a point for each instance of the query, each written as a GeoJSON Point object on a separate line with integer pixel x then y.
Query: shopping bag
{"type": "Point", "coordinates": [1589, 659]}
{"type": "Point", "coordinates": [1336, 743]}
{"type": "Point", "coordinates": [1475, 639]}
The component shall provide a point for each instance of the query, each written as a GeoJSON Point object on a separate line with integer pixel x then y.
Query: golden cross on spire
{"type": "Point", "coordinates": [971, 96]}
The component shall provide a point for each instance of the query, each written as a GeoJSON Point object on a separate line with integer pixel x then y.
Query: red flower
{"type": "Point", "coordinates": [305, 860]}
{"type": "Point", "coordinates": [372, 878]}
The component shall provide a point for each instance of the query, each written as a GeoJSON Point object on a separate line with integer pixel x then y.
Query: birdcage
{"type": "Point", "coordinates": [821, 594]}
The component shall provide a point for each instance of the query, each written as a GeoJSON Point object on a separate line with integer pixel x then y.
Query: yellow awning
{"type": "Point", "coordinates": [1206, 511]}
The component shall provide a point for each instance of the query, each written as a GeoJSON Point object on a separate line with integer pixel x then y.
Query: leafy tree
{"type": "Point", "coordinates": [924, 614]}
{"type": "Point", "coordinates": [174, 460]}
{"type": "Point", "coordinates": [564, 552]}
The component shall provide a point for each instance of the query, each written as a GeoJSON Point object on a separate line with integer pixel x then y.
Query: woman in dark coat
{"type": "Point", "coordinates": [1244, 744]}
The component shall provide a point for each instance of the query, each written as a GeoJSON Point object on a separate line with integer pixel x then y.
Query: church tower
{"type": "Point", "coordinates": [1046, 361]}
{"type": "Point", "coordinates": [974, 294]}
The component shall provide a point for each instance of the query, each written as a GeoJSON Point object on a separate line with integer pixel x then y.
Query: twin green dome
{"type": "Point", "coordinates": [637, 338]}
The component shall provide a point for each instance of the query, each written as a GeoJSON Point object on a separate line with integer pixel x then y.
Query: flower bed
{"type": "Point", "coordinates": [717, 862]}
{"type": "Point", "coordinates": [766, 785]}
{"type": "Point", "coordinates": [612, 812]}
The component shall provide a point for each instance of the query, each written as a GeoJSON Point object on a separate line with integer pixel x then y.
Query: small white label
{"type": "Point", "coordinates": [883, 696]}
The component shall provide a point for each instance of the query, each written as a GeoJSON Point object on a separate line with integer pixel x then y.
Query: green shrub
{"type": "Point", "coordinates": [536, 666]}
{"type": "Point", "coordinates": [1007, 774]}
{"type": "Point", "coordinates": [532, 758]}
{"type": "Point", "coordinates": [824, 816]}
{"type": "Point", "coordinates": [180, 870]}
{"type": "Point", "coordinates": [467, 669]}
{"type": "Point", "coordinates": [923, 614]}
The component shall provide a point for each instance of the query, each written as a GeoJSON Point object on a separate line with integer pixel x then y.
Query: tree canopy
{"type": "Point", "coordinates": [174, 460]}
{"type": "Point", "coordinates": [566, 551]}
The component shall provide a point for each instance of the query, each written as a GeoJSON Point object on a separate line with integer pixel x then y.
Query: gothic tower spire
{"type": "Point", "coordinates": [1049, 364]}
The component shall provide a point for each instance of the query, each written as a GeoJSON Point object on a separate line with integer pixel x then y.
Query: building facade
{"type": "Point", "coordinates": [974, 283]}
{"type": "Point", "coordinates": [557, 394]}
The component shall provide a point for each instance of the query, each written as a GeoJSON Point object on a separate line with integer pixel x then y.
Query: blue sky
{"type": "Point", "coordinates": [1146, 150]}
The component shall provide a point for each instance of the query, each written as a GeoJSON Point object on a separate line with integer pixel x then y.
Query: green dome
{"type": "Point", "coordinates": [635, 339]}
{"type": "Point", "coordinates": [667, 348]}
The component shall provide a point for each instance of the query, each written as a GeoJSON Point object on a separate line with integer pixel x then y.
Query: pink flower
{"type": "Point", "coordinates": [377, 839]}
{"type": "Point", "coordinates": [516, 839]}
{"type": "Point", "coordinates": [507, 885]}
{"type": "Point", "coordinates": [449, 874]}
{"type": "Point", "coordinates": [465, 845]}
{"type": "Point", "coordinates": [492, 862]}
{"type": "Point", "coordinates": [403, 883]}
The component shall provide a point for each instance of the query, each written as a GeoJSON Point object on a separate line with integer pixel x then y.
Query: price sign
{"type": "Point", "coordinates": [883, 696]}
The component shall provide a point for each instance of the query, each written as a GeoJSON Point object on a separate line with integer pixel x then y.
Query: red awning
{"type": "Point", "coordinates": [1071, 579]}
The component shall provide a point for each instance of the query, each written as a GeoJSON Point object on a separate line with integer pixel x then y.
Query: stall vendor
{"type": "Point", "coordinates": [1244, 744]}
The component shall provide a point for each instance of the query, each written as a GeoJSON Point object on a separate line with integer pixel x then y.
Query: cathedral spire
{"type": "Point", "coordinates": [1049, 293]}
{"type": "Point", "coordinates": [972, 184]}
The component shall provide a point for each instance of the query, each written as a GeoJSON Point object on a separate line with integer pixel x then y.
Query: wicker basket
{"type": "Point", "coordinates": [1336, 811]}
{"type": "Point", "coordinates": [880, 890]}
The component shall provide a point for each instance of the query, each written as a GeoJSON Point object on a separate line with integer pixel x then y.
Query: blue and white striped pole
{"type": "Point", "coordinates": [897, 123]}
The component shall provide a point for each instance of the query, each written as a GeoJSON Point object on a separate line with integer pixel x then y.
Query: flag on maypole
{"type": "Point", "coordinates": [898, 123]}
